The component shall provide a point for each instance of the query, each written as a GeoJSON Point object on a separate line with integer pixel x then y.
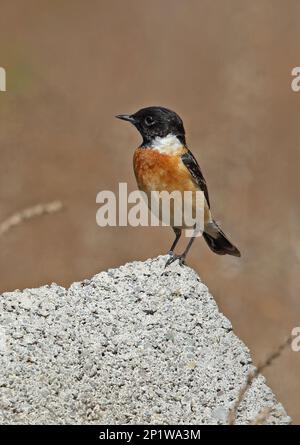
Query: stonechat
{"type": "Point", "coordinates": [163, 162]}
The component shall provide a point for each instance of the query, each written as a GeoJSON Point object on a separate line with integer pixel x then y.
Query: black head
{"type": "Point", "coordinates": [154, 122]}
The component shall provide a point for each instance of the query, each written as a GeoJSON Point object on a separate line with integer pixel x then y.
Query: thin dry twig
{"type": "Point", "coordinates": [29, 213]}
{"type": "Point", "coordinates": [252, 375]}
{"type": "Point", "coordinates": [262, 416]}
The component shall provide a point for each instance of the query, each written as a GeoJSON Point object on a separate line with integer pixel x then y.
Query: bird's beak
{"type": "Point", "coordinates": [126, 117]}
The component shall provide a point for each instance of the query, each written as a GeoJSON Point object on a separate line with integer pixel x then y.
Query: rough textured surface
{"type": "Point", "coordinates": [128, 346]}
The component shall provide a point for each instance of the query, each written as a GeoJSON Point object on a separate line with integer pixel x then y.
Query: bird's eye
{"type": "Point", "coordinates": [149, 121]}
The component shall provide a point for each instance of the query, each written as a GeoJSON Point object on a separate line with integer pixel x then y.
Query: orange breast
{"type": "Point", "coordinates": [159, 172]}
{"type": "Point", "coordinates": [156, 171]}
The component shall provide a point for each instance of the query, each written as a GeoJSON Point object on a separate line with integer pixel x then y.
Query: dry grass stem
{"type": "Point", "coordinates": [252, 375]}
{"type": "Point", "coordinates": [29, 213]}
{"type": "Point", "coordinates": [262, 416]}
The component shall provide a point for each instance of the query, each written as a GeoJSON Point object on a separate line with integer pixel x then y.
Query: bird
{"type": "Point", "coordinates": [163, 161]}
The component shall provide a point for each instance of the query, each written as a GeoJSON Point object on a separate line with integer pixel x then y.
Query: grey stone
{"type": "Point", "coordinates": [131, 345]}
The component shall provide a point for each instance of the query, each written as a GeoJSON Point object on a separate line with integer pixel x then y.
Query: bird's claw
{"type": "Point", "coordinates": [180, 258]}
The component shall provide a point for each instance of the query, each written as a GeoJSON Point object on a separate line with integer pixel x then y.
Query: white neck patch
{"type": "Point", "coordinates": [167, 144]}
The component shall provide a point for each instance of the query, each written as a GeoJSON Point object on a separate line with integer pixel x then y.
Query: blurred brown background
{"type": "Point", "coordinates": [225, 67]}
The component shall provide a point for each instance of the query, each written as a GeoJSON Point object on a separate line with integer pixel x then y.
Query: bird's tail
{"type": "Point", "coordinates": [217, 241]}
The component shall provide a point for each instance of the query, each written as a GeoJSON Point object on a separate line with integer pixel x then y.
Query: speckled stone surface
{"type": "Point", "coordinates": [129, 345]}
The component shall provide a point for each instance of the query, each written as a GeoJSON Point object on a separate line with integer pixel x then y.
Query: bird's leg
{"type": "Point", "coordinates": [178, 235]}
{"type": "Point", "coordinates": [182, 257]}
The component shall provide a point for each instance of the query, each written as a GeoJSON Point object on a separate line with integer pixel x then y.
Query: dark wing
{"type": "Point", "coordinates": [192, 165]}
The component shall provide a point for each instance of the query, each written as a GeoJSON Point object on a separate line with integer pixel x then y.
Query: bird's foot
{"type": "Point", "coordinates": [180, 258]}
